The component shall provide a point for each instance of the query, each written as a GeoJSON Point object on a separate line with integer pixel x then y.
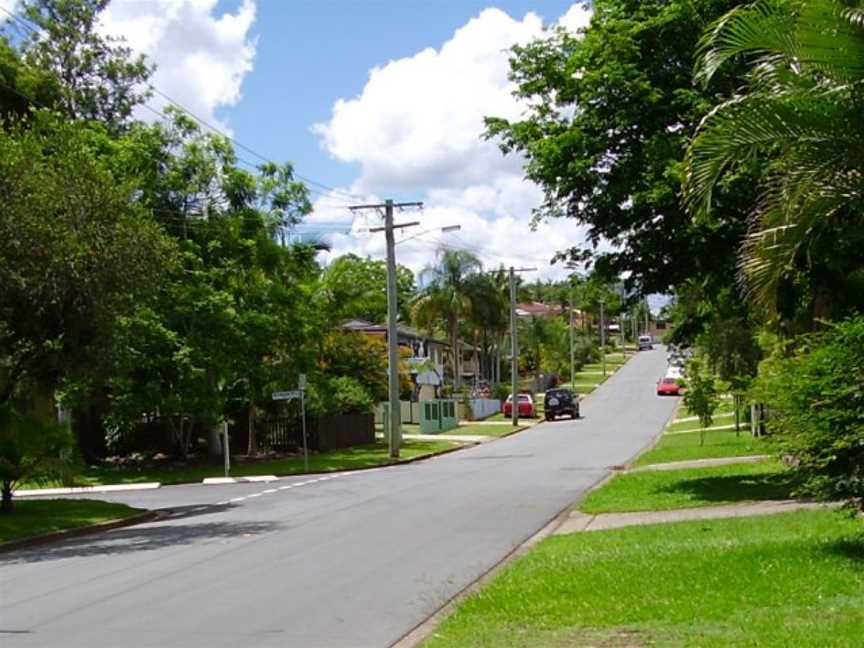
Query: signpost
{"type": "Point", "coordinates": [226, 449]}
{"type": "Point", "coordinates": [289, 396]}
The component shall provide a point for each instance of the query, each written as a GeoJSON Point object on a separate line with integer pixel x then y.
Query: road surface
{"type": "Point", "coordinates": [354, 560]}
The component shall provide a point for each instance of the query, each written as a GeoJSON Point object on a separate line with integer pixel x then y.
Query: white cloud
{"type": "Point", "coordinates": [416, 130]}
{"type": "Point", "coordinates": [577, 17]}
{"type": "Point", "coordinates": [202, 56]}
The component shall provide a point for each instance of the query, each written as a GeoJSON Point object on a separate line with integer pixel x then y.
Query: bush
{"type": "Point", "coordinates": [815, 399]}
{"type": "Point", "coordinates": [340, 395]}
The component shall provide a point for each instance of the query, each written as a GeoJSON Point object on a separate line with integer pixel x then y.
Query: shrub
{"type": "Point", "coordinates": [815, 399]}
{"type": "Point", "coordinates": [701, 395]}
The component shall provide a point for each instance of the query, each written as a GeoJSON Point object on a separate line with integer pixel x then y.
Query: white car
{"type": "Point", "coordinates": [674, 372]}
{"type": "Point", "coordinates": [645, 343]}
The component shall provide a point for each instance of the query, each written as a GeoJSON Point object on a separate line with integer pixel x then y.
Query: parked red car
{"type": "Point", "coordinates": [668, 387]}
{"type": "Point", "coordinates": [526, 406]}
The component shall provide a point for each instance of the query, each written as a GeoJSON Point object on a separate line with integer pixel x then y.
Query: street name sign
{"type": "Point", "coordinates": [286, 395]}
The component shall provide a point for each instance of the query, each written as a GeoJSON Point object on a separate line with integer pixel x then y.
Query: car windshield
{"type": "Point", "coordinates": [668, 381]}
{"type": "Point", "coordinates": [524, 398]}
{"type": "Point", "coordinates": [560, 395]}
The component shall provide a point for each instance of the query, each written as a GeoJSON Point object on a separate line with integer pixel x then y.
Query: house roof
{"type": "Point", "coordinates": [404, 331]}
{"type": "Point", "coordinates": [537, 308]}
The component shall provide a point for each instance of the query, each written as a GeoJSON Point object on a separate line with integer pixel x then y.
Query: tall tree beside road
{"type": "Point", "coordinates": [446, 298]}
{"type": "Point", "coordinates": [608, 119]}
{"type": "Point", "coordinates": [100, 78]}
{"type": "Point", "coordinates": [354, 287]}
{"type": "Point", "coordinates": [804, 255]}
{"type": "Point", "coordinates": [75, 255]}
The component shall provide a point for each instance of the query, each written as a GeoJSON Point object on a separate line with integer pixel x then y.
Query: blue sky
{"type": "Point", "coordinates": [310, 53]}
{"type": "Point", "coordinates": [378, 98]}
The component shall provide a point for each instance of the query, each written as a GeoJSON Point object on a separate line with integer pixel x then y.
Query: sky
{"type": "Point", "coordinates": [369, 99]}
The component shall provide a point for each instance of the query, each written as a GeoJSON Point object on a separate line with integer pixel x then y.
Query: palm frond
{"type": "Point", "coordinates": [764, 28]}
{"type": "Point", "coordinates": [741, 126]}
{"type": "Point", "coordinates": [830, 39]}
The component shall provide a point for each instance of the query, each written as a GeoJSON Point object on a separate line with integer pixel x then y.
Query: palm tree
{"type": "Point", "coordinates": [489, 316]}
{"type": "Point", "coordinates": [803, 114]}
{"type": "Point", "coordinates": [446, 297]}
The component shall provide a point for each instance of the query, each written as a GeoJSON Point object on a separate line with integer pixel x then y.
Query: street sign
{"type": "Point", "coordinates": [286, 395]}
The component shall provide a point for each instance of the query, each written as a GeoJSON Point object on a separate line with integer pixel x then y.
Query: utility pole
{"type": "Point", "coordinates": [572, 356]}
{"type": "Point", "coordinates": [394, 434]}
{"type": "Point", "coordinates": [514, 346]}
{"type": "Point", "coordinates": [602, 338]}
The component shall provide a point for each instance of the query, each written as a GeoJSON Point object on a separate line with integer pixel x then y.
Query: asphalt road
{"type": "Point", "coordinates": [353, 560]}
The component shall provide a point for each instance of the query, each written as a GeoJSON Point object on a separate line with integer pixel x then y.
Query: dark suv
{"type": "Point", "coordinates": [558, 402]}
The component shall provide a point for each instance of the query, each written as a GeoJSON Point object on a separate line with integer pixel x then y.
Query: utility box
{"type": "Point", "coordinates": [438, 415]}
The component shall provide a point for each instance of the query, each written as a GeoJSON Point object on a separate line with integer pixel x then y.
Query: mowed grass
{"type": "Point", "coordinates": [770, 581]}
{"type": "Point", "coordinates": [364, 456]}
{"type": "Point", "coordinates": [673, 489]}
{"type": "Point", "coordinates": [718, 443]}
{"type": "Point", "coordinates": [39, 517]}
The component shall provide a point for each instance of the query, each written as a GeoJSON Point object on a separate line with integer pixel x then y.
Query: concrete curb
{"type": "Point", "coordinates": [579, 522]}
{"type": "Point", "coordinates": [74, 490]}
{"type": "Point", "coordinates": [212, 481]}
{"type": "Point", "coordinates": [66, 534]}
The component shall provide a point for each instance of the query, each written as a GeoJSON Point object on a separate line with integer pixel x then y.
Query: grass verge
{"type": "Point", "coordinates": [344, 459]}
{"type": "Point", "coordinates": [672, 489]}
{"type": "Point", "coordinates": [718, 443]}
{"type": "Point", "coordinates": [793, 578]}
{"type": "Point", "coordinates": [39, 517]}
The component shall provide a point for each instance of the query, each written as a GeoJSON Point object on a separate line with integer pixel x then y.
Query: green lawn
{"type": "Point", "coordinates": [344, 459]}
{"type": "Point", "coordinates": [486, 430]}
{"type": "Point", "coordinates": [673, 489]}
{"type": "Point", "coordinates": [771, 581]}
{"type": "Point", "coordinates": [724, 407]}
{"type": "Point", "coordinates": [38, 517]}
{"type": "Point", "coordinates": [721, 443]}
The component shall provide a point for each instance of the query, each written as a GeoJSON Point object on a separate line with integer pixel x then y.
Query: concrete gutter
{"type": "Point", "coordinates": [75, 490]}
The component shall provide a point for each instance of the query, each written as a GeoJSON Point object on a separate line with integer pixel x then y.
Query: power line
{"type": "Point", "coordinates": [325, 190]}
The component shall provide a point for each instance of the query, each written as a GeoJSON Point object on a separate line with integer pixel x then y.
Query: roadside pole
{"type": "Point", "coordinates": [514, 352]}
{"type": "Point", "coordinates": [514, 346]}
{"type": "Point", "coordinates": [602, 338]}
{"type": "Point", "coordinates": [572, 356]}
{"type": "Point", "coordinates": [302, 386]}
{"type": "Point", "coordinates": [226, 449]}
{"type": "Point", "coordinates": [394, 434]}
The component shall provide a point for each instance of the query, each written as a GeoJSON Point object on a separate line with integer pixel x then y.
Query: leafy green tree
{"type": "Point", "coordinates": [99, 77]}
{"type": "Point", "coordinates": [489, 317]}
{"type": "Point", "coordinates": [76, 255]}
{"type": "Point", "coordinates": [815, 400]}
{"type": "Point", "coordinates": [31, 449]}
{"type": "Point", "coordinates": [237, 321]}
{"type": "Point", "coordinates": [700, 397]}
{"type": "Point", "coordinates": [360, 356]}
{"type": "Point", "coordinates": [609, 117]}
{"type": "Point", "coordinates": [23, 87]}
{"type": "Point", "coordinates": [354, 287]}
{"type": "Point", "coordinates": [803, 258]}
{"type": "Point", "coordinates": [446, 298]}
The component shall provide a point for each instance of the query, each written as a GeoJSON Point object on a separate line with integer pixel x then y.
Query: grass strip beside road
{"type": "Point", "coordinates": [33, 518]}
{"type": "Point", "coordinates": [718, 443]}
{"type": "Point", "coordinates": [761, 581]}
{"type": "Point", "coordinates": [693, 487]}
{"type": "Point", "coordinates": [364, 456]}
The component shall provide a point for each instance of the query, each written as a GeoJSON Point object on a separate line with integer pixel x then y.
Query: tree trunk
{"type": "Point", "coordinates": [7, 505]}
{"type": "Point", "coordinates": [454, 340]}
